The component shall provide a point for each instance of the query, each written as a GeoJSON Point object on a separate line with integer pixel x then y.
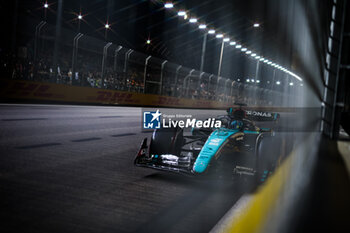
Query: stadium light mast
{"type": "Point", "coordinates": [45, 6]}
{"type": "Point", "coordinates": [57, 36]}
{"type": "Point", "coordinates": [204, 45]}
{"type": "Point", "coordinates": [221, 51]}
{"type": "Point", "coordinates": [79, 17]}
{"type": "Point", "coordinates": [168, 5]}
{"type": "Point", "coordinates": [257, 69]}
{"type": "Point", "coordinates": [193, 20]}
{"type": "Point", "coordinates": [183, 13]}
{"type": "Point", "coordinates": [260, 60]}
{"type": "Point", "coordinates": [107, 26]}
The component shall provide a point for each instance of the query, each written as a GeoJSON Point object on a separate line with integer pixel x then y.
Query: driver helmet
{"type": "Point", "coordinates": [236, 124]}
{"type": "Point", "coordinates": [239, 114]}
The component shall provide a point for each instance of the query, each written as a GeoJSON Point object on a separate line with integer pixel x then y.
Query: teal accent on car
{"type": "Point", "coordinates": [214, 142]}
{"type": "Point", "coordinates": [251, 132]}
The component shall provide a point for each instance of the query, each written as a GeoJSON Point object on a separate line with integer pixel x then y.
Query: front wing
{"type": "Point", "coordinates": [166, 162]}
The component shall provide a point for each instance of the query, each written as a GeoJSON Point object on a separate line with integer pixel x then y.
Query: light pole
{"type": "Point", "coordinates": [221, 55]}
{"type": "Point", "coordinates": [46, 6]}
{"type": "Point", "coordinates": [232, 83]}
{"type": "Point", "coordinates": [75, 52]}
{"type": "Point", "coordinates": [226, 39]}
{"type": "Point", "coordinates": [273, 79]}
{"type": "Point", "coordinates": [161, 76]}
{"type": "Point", "coordinates": [116, 51]}
{"type": "Point", "coordinates": [217, 86]}
{"type": "Point", "coordinates": [188, 77]}
{"type": "Point", "coordinates": [57, 36]}
{"type": "Point", "coordinates": [107, 26]}
{"type": "Point", "coordinates": [104, 61]}
{"type": "Point", "coordinates": [204, 45]}
{"type": "Point", "coordinates": [169, 5]}
{"type": "Point", "coordinates": [36, 40]}
{"type": "Point", "coordinates": [257, 70]}
{"type": "Point", "coordinates": [176, 78]}
{"type": "Point", "coordinates": [80, 17]}
{"type": "Point", "coordinates": [210, 78]}
{"type": "Point", "coordinates": [145, 73]}
{"type": "Point", "coordinates": [225, 89]}
{"type": "Point", "coordinates": [126, 65]}
{"type": "Point", "coordinates": [256, 25]}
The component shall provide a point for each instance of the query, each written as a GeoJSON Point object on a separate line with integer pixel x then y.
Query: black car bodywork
{"type": "Point", "coordinates": [226, 151]}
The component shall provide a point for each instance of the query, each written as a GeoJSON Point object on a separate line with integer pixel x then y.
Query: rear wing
{"type": "Point", "coordinates": [261, 116]}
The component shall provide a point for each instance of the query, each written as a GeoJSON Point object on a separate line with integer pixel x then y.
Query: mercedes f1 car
{"type": "Point", "coordinates": [238, 147]}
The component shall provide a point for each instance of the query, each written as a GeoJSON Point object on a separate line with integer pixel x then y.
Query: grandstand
{"type": "Point", "coordinates": [126, 70]}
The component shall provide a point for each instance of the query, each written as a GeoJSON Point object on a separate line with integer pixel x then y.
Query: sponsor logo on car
{"type": "Point", "coordinates": [215, 142]}
{"type": "Point", "coordinates": [260, 114]}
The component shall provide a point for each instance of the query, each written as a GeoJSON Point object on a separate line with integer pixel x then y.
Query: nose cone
{"type": "Point", "coordinates": [210, 148]}
{"type": "Point", "coordinates": [200, 166]}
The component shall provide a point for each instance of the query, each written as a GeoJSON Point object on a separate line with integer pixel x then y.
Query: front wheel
{"type": "Point", "coordinates": [167, 141]}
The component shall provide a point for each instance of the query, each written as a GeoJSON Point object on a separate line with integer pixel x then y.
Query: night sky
{"type": "Point", "coordinates": [132, 22]}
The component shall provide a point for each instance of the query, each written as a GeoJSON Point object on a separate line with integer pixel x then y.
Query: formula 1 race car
{"type": "Point", "coordinates": [238, 147]}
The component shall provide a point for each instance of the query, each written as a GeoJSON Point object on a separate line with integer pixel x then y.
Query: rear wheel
{"type": "Point", "coordinates": [269, 154]}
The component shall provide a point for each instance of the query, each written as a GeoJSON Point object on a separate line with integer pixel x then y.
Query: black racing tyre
{"type": "Point", "coordinates": [269, 151]}
{"type": "Point", "coordinates": [167, 141]}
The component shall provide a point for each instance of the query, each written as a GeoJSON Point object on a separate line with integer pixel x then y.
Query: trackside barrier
{"type": "Point", "coordinates": [269, 209]}
{"type": "Point", "coordinates": [29, 90]}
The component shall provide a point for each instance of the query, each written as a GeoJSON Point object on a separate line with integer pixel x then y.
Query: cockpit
{"type": "Point", "coordinates": [236, 119]}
